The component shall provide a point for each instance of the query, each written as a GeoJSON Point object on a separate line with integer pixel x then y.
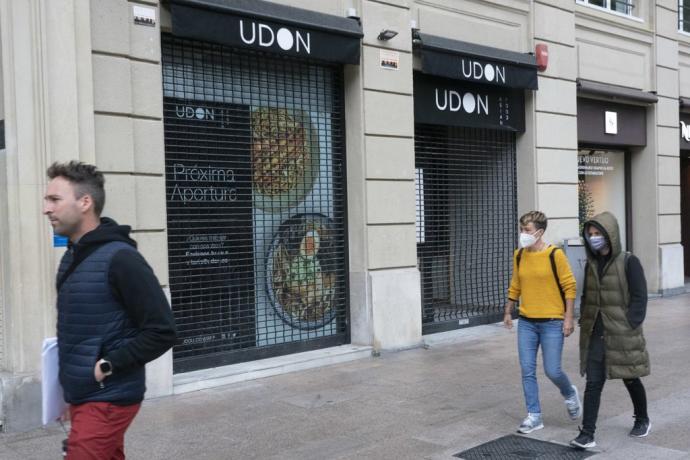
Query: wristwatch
{"type": "Point", "coordinates": [106, 367]}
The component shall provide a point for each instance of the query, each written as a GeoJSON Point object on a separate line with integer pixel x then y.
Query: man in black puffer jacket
{"type": "Point", "coordinates": [113, 316]}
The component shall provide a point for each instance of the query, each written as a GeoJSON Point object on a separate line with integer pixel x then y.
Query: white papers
{"type": "Point", "coordinates": [54, 404]}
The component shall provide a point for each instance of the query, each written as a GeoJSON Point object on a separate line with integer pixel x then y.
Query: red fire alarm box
{"type": "Point", "coordinates": [542, 55]}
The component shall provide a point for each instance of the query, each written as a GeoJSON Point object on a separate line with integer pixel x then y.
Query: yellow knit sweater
{"type": "Point", "coordinates": [535, 285]}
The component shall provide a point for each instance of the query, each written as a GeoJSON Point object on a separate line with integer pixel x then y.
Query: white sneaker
{"type": "Point", "coordinates": [531, 423]}
{"type": "Point", "coordinates": [574, 405]}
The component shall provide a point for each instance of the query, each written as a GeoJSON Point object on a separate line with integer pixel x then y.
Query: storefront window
{"type": "Point", "coordinates": [602, 186]}
{"type": "Point", "coordinates": [255, 199]}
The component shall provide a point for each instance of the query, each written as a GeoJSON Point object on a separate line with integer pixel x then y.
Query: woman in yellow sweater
{"type": "Point", "coordinates": [545, 285]}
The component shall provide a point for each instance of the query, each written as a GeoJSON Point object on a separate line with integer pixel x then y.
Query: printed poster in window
{"type": "Point", "coordinates": [601, 186]}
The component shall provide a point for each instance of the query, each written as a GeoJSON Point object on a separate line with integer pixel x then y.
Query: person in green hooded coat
{"type": "Point", "coordinates": [613, 307]}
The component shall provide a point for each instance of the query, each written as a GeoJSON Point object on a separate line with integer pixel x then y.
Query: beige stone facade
{"type": "Point", "coordinates": [81, 81]}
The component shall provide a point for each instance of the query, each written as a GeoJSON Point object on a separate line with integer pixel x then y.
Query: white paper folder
{"type": "Point", "coordinates": [54, 404]}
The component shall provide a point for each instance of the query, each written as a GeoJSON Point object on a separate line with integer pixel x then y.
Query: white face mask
{"type": "Point", "coordinates": [527, 240]}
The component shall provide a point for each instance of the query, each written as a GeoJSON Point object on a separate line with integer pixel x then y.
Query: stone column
{"type": "Point", "coordinates": [48, 106]}
{"type": "Point", "coordinates": [671, 273]}
{"type": "Point", "coordinates": [392, 317]}
{"type": "Point", "coordinates": [556, 120]}
{"type": "Point", "coordinates": [128, 108]}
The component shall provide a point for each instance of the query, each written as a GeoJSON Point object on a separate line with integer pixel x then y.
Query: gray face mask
{"type": "Point", "coordinates": [597, 242]}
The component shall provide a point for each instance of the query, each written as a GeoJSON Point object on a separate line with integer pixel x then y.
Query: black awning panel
{"type": "Point", "coordinates": [477, 63]}
{"type": "Point", "coordinates": [595, 89]}
{"type": "Point", "coordinates": [267, 26]}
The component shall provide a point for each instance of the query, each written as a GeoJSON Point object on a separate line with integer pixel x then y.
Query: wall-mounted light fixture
{"type": "Point", "coordinates": [416, 40]}
{"type": "Point", "coordinates": [352, 13]}
{"type": "Point", "coordinates": [386, 35]}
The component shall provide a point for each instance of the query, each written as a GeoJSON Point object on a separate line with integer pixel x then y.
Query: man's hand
{"type": "Point", "coordinates": [65, 417]}
{"type": "Point", "coordinates": [97, 374]}
{"type": "Point", "coordinates": [568, 326]}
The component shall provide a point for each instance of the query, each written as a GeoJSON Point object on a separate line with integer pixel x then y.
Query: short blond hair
{"type": "Point", "coordinates": [537, 218]}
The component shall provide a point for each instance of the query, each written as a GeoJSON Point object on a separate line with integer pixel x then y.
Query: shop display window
{"type": "Point", "coordinates": [602, 186]}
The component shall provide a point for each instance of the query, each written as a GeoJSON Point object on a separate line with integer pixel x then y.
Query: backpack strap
{"type": "Point", "coordinates": [518, 257]}
{"type": "Point", "coordinates": [552, 259]}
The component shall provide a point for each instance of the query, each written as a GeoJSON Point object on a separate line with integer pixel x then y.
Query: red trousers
{"type": "Point", "coordinates": [98, 431]}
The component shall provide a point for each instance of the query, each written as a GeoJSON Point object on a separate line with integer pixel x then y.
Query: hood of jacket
{"type": "Point", "coordinates": [108, 231]}
{"type": "Point", "coordinates": [607, 224]}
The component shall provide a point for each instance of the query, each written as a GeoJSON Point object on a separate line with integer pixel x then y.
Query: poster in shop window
{"type": "Point", "coordinates": [254, 251]}
{"type": "Point", "coordinates": [296, 282]}
{"type": "Point", "coordinates": [210, 232]}
{"type": "Point", "coordinates": [601, 186]}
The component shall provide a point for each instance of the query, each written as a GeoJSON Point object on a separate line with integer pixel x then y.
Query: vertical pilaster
{"type": "Point", "coordinates": [43, 109]}
{"type": "Point", "coordinates": [389, 192]}
{"type": "Point", "coordinates": [666, 65]}
{"type": "Point", "coordinates": [555, 161]}
{"type": "Point", "coordinates": [128, 126]}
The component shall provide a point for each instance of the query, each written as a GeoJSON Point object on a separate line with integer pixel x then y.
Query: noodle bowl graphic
{"type": "Point", "coordinates": [301, 273]}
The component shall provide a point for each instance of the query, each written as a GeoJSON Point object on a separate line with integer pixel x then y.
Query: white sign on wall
{"type": "Point", "coordinates": [144, 16]}
{"type": "Point", "coordinates": [389, 60]}
{"type": "Point", "coordinates": [611, 123]}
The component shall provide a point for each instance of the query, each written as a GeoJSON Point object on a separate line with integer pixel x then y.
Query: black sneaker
{"type": "Point", "coordinates": [641, 428]}
{"type": "Point", "coordinates": [584, 441]}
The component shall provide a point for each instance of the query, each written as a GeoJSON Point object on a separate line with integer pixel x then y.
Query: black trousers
{"type": "Point", "coordinates": [596, 377]}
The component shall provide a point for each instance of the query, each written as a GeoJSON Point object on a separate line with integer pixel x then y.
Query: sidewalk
{"type": "Point", "coordinates": [432, 403]}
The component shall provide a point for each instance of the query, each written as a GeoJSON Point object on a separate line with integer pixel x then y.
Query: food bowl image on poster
{"type": "Point", "coordinates": [285, 157]}
{"type": "Point", "coordinates": [301, 274]}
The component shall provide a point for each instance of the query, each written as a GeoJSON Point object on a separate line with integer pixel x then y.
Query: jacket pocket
{"type": "Point", "coordinates": [86, 355]}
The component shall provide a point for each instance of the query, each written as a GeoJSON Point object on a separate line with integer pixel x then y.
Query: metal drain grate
{"type": "Point", "coordinates": [520, 447]}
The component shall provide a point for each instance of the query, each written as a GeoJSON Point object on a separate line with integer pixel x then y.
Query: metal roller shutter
{"type": "Point", "coordinates": [255, 192]}
{"type": "Point", "coordinates": [466, 223]}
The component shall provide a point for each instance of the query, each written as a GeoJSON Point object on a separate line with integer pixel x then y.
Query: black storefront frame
{"type": "Point", "coordinates": [318, 38]}
{"type": "Point", "coordinates": [684, 160]}
{"type": "Point", "coordinates": [447, 62]}
{"type": "Point", "coordinates": [340, 338]}
{"type": "Point", "coordinates": [630, 105]}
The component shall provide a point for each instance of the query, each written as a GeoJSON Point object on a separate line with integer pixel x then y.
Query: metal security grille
{"type": "Point", "coordinates": [254, 164]}
{"type": "Point", "coordinates": [466, 223]}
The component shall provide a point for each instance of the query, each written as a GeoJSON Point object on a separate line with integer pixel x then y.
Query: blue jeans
{"type": "Point", "coordinates": [549, 335]}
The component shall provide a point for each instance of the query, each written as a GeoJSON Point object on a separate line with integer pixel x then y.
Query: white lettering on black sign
{"type": "Point", "coordinates": [443, 101]}
{"type": "Point", "coordinates": [471, 103]}
{"type": "Point", "coordinates": [199, 192]}
{"type": "Point", "coordinates": [685, 131]}
{"type": "Point", "coordinates": [492, 73]}
{"type": "Point", "coordinates": [200, 113]}
{"type": "Point", "coordinates": [264, 36]}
